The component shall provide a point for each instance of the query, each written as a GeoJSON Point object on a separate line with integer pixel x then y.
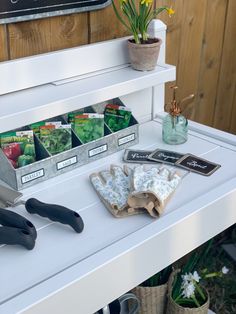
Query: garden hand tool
{"type": "Point", "coordinates": [113, 188]}
{"type": "Point", "coordinates": [152, 188]}
{"type": "Point", "coordinates": [16, 229]}
{"type": "Point", "coordinates": [54, 212]}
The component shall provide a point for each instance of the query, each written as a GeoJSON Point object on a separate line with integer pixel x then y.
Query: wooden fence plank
{"type": "Point", "coordinates": [233, 116]}
{"type": "Point", "coordinates": [39, 36]}
{"type": "Point", "coordinates": [104, 25]}
{"type": "Point", "coordinates": [173, 37]}
{"type": "Point", "coordinates": [69, 31]}
{"type": "Point", "coordinates": [227, 79]}
{"type": "Point", "coordinates": [210, 61]}
{"type": "Point", "coordinates": [3, 43]}
{"type": "Point", "coordinates": [29, 38]}
{"type": "Point", "coordinates": [193, 22]}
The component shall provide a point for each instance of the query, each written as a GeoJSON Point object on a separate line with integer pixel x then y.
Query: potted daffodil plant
{"type": "Point", "coordinates": [136, 17]}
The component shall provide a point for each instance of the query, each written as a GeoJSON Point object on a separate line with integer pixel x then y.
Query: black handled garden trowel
{"type": "Point", "coordinates": [58, 213]}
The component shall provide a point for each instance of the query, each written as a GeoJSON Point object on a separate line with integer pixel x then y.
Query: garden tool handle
{"type": "Point", "coordinates": [11, 235]}
{"type": "Point", "coordinates": [55, 213]}
{"type": "Point", "coordinates": [9, 218]}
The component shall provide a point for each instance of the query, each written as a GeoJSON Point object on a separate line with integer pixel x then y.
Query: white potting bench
{"type": "Point", "coordinates": [80, 273]}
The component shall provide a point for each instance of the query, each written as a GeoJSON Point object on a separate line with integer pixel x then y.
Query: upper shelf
{"type": "Point", "coordinates": [38, 103]}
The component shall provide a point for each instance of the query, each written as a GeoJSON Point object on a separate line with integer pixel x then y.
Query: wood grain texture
{"type": "Point", "coordinates": [104, 25]}
{"type": "Point", "coordinates": [233, 115]}
{"type": "Point", "coordinates": [173, 36]}
{"type": "Point", "coordinates": [192, 27]}
{"type": "Point", "coordinates": [29, 38]}
{"type": "Point", "coordinates": [3, 43]}
{"type": "Point", "coordinates": [227, 78]}
{"type": "Point", "coordinates": [69, 31]}
{"type": "Point", "coordinates": [212, 46]}
{"type": "Point", "coordinates": [39, 36]}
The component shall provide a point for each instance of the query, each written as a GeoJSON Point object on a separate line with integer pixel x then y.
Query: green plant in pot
{"type": "Point", "coordinates": [136, 17]}
{"type": "Point", "coordinates": [152, 293]}
{"type": "Point", "coordinates": [187, 292]}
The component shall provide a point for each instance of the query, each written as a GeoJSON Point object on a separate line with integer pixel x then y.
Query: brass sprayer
{"type": "Point", "coordinates": [174, 108]}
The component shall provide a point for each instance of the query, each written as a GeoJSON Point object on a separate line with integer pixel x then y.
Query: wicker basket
{"type": "Point", "coordinates": [174, 308]}
{"type": "Point", "coordinates": [153, 299]}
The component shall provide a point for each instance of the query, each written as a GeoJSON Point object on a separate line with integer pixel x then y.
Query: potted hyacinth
{"type": "Point", "coordinates": [136, 17]}
{"type": "Point", "coordinates": [188, 295]}
{"type": "Point", "coordinates": [186, 291]}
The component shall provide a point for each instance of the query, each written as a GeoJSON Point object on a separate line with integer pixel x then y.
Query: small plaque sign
{"type": "Point", "coordinates": [67, 162]}
{"type": "Point", "coordinates": [97, 150]}
{"type": "Point", "coordinates": [165, 156]}
{"type": "Point", "coordinates": [138, 156]}
{"type": "Point", "coordinates": [198, 165]}
{"type": "Point", "coordinates": [32, 176]}
{"type": "Point", "coordinates": [126, 139]}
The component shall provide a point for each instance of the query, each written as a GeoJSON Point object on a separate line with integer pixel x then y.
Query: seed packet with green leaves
{"type": "Point", "coordinates": [36, 126]}
{"type": "Point", "coordinates": [56, 138]}
{"type": "Point", "coordinates": [71, 116]}
{"type": "Point", "coordinates": [89, 126]}
{"type": "Point", "coordinates": [18, 147]}
{"type": "Point", "coordinates": [117, 117]}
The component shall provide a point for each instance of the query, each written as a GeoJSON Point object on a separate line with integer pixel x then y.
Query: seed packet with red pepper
{"type": "Point", "coordinates": [18, 147]}
{"type": "Point", "coordinates": [117, 117]}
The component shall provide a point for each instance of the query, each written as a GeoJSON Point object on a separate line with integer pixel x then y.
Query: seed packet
{"type": "Point", "coordinates": [56, 138]}
{"type": "Point", "coordinates": [117, 117]}
{"type": "Point", "coordinates": [36, 126]}
{"type": "Point", "coordinates": [18, 147]}
{"type": "Point", "coordinates": [71, 116]}
{"type": "Point", "coordinates": [89, 126]}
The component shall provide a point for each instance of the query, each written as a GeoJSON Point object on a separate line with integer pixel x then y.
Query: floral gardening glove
{"type": "Point", "coordinates": [152, 188]}
{"type": "Point", "coordinates": [113, 188]}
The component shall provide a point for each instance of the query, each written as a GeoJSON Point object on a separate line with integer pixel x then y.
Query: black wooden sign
{"type": "Point", "coordinates": [20, 10]}
{"type": "Point", "coordinates": [137, 156]}
{"type": "Point", "coordinates": [165, 156]}
{"type": "Point", "coordinates": [198, 165]}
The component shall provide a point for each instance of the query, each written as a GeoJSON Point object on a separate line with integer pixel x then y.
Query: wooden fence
{"type": "Point", "coordinates": [201, 42]}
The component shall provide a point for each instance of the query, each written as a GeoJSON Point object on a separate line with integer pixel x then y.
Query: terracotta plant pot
{"type": "Point", "coordinates": [152, 299]}
{"type": "Point", "coordinates": [143, 57]}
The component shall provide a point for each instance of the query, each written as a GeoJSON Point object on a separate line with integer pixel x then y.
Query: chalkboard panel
{"type": "Point", "coordinates": [21, 10]}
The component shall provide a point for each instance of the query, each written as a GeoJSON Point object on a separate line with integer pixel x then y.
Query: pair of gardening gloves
{"type": "Point", "coordinates": [126, 191]}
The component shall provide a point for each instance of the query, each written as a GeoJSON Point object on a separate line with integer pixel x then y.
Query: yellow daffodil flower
{"type": "Point", "coordinates": [147, 2]}
{"type": "Point", "coordinates": [170, 11]}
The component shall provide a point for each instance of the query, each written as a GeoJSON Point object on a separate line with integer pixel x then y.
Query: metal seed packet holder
{"type": "Point", "coordinates": [48, 166]}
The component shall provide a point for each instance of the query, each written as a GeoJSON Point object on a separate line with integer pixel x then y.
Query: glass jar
{"type": "Point", "coordinates": [175, 129]}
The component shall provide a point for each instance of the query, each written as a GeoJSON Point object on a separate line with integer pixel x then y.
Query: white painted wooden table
{"type": "Point", "coordinates": [80, 273]}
